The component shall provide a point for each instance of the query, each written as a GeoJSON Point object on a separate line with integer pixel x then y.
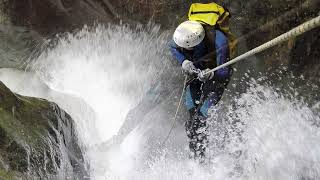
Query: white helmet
{"type": "Point", "coordinates": [189, 34]}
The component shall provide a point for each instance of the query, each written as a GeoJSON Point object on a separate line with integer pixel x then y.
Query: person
{"type": "Point", "coordinates": [199, 48]}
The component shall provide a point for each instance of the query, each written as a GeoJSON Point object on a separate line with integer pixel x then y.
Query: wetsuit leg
{"type": "Point", "coordinates": [212, 92]}
{"type": "Point", "coordinates": [196, 128]}
{"type": "Point", "coordinates": [211, 100]}
{"type": "Point", "coordinates": [196, 124]}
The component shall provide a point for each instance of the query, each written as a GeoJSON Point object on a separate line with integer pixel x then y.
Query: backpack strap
{"type": "Point", "coordinates": [204, 12]}
{"type": "Point", "coordinates": [209, 60]}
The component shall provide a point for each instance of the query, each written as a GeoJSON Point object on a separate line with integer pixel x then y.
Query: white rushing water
{"type": "Point", "coordinates": [99, 75]}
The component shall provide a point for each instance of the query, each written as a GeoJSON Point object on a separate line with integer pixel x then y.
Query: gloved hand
{"type": "Point", "coordinates": [205, 75]}
{"type": "Point", "coordinates": [188, 67]}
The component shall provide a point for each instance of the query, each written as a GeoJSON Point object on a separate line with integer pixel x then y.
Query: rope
{"type": "Point", "coordinates": [313, 23]}
{"type": "Point", "coordinates": [176, 114]}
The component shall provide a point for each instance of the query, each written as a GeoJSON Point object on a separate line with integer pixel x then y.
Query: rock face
{"type": "Point", "coordinates": [260, 21]}
{"type": "Point", "coordinates": [165, 12]}
{"type": "Point", "coordinates": [52, 16]}
{"type": "Point", "coordinates": [16, 45]}
{"type": "Point", "coordinates": [304, 56]}
{"type": "Point", "coordinates": [37, 139]}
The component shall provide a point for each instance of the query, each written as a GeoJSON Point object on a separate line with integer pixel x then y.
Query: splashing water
{"type": "Point", "coordinates": [270, 137]}
{"type": "Point", "coordinates": [105, 72]}
{"type": "Point", "coordinates": [110, 68]}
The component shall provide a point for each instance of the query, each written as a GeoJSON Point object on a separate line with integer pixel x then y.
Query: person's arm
{"type": "Point", "coordinates": [222, 55]}
{"type": "Point", "coordinates": [176, 53]}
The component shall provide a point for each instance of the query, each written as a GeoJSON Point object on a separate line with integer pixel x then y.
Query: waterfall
{"type": "Point", "coordinates": [99, 74]}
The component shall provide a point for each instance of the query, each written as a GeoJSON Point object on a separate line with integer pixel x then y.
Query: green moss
{"type": "Point", "coordinates": [31, 133]}
{"type": "Point", "coordinates": [18, 157]}
{"type": "Point", "coordinates": [9, 175]}
{"type": "Point", "coordinates": [3, 137]}
{"type": "Point", "coordinates": [3, 17]}
{"type": "Point", "coordinates": [25, 117]}
{"type": "Point", "coordinates": [24, 124]}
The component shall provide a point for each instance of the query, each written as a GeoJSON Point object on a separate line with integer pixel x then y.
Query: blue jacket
{"type": "Point", "coordinates": [201, 50]}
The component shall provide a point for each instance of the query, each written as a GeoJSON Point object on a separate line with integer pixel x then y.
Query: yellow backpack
{"type": "Point", "coordinates": [215, 15]}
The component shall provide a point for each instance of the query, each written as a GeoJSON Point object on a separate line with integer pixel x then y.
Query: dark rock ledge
{"type": "Point", "coordinates": [37, 140]}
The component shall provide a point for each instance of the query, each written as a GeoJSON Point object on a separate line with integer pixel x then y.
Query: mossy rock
{"type": "Point", "coordinates": [36, 138]}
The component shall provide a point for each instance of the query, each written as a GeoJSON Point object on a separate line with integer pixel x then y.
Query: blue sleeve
{"type": "Point", "coordinates": [222, 54]}
{"type": "Point", "coordinates": [176, 53]}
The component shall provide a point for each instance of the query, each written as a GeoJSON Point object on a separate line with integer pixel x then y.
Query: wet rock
{"type": "Point", "coordinates": [53, 16]}
{"type": "Point", "coordinates": [37, 139]}
{"type": "Point", "coordinates": [261, 21]}
{"type": "Point", "coordinates": [17, 43]}
{"type": "Point", "coordinates": [304, 57]}
{"type": "Point", "coordinates": [165, 12]}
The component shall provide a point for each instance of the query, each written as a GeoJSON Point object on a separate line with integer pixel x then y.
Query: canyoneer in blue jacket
{"type": "Point", "coordinates": [199, 47]}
